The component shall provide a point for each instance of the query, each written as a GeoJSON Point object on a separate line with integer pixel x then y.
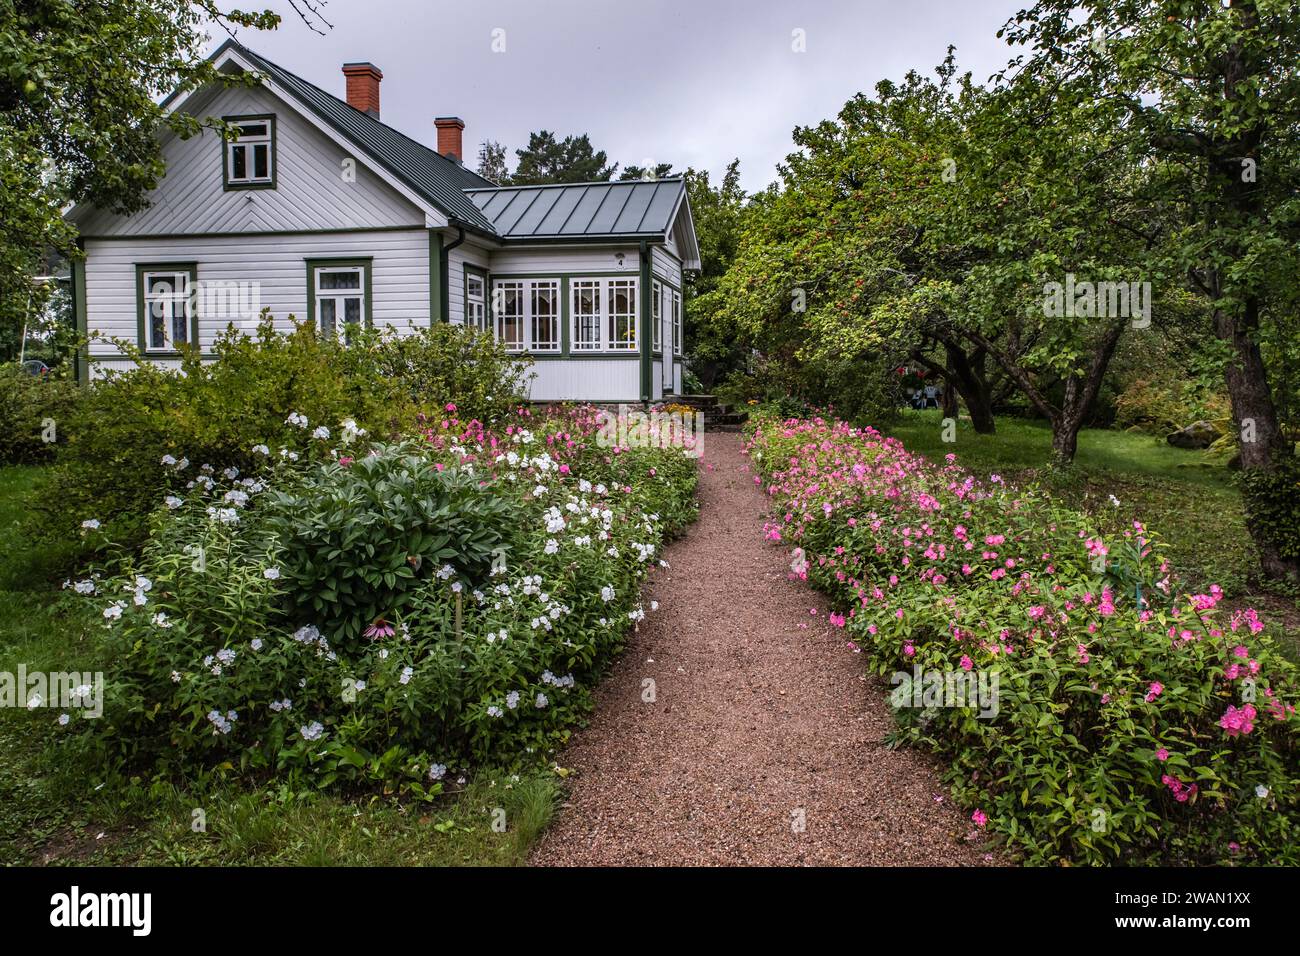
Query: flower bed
{"type": "Point", "coordinates": [1131, 722]}
{"type": "Point", "coordinates": [383, 614]}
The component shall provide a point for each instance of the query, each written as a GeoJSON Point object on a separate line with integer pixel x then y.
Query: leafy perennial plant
{"type": "Point", "coordinates": [383, 614]}
{"type": "Point", "coordinates": [1134, 721]}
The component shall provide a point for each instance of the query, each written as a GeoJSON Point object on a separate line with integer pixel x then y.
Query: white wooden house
{"type": "Point", "coordinates": [320, 211]}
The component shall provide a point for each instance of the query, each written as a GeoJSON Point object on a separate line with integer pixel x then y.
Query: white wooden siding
{"type": "Point", "coordinates": [666, 266]}
{"type": "Point", "coordinates": [554, 260]}
{"type": "Point", "coordinates": [596, 380]}
{"type": "Point", "coordinates": [399, 276]}
{"type": "Point", "coordinates": [311, 191]}
{"type": "Point", "coordinates": [456, 259]}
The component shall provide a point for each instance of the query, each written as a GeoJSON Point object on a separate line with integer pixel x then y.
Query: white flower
{"type": "Point", "coordinates": [271, 574]}
{"type": "Point", "coordinates": [221, 723]}
{"type": "Point", "coordinates": [437, 771]}
{"type": "Point", "coordinates": [407, 674]}
{"type": "Point", "coordinates": [255, 643]}
{"type": "Point", "coordinates": [1114, 501]}
{"type": "Point", "coordinates": [512, 699]}
{"type": "Point", "coordinates": [160, 620]}
{"type": "Point", "coordinates": [297, 420]}
{"type": "Point", "coordinates": [607, 593]}
{"type": "Point", "coordinates": [551, 546]}
{"type": "Point", "coordinates": [90, 524]}
{"type": "Point", "coordinates": [176, 677]}
{"type": "Point", "coordinates": [35, 701]}
{"type": "Point", "coordinates": [84, 587]}
{"type": "Point", "coordinates": [495, 711]}
{"type": "Point", "coordinates": [172, 502]}
{"type": "Point", "coordinates": [226, 655]}
{"type": "Point", "coordinates": [113, 611]}
{"type": "Point", "coordinates": [1261, 791]}
{"type": "Point", "coordinates": [168, 460]}
{"type": "Point", "coordinates": [307, 634]}
{"type": "Point", "coordinates": [279, 705]}
{"type": "Point", "coordinates": [63, 719]}
{"type": "Point", "coordinates": [457, 587]}
{"type": "Point", "coordinates": [321, 432]}
{"type": "Point", "coordinates": [231, 473]}
{"type": "Point", "coordinates": [313, 731]}
{"type": "Point", "coordinates": [541, 701]}
{"type": "Point", "coordinates": [445, 572]}
{"type": "Point", "coordinates": [261, 450]}
{"type": "Point", "coordinates": [237, 498]}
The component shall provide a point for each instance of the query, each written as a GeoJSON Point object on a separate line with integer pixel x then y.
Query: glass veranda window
{"type": "Point", "coordinates": [622, 314]}
{"type": "Point", "coordinates": [586, 315]}
{"type": "Point", "coordinates": [508, 309]}
{"type": "Point", "coordinates": [545, 315]}
{"type": "Point", "coordinates": [167, 308]}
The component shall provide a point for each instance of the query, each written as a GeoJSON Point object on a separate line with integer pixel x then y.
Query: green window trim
{"type": "Point", "coordinates": [272, 157]}
{"type": "Point", "coordinates": [142, 327]}
{"type": "Point", "coordinates": [364, 263]}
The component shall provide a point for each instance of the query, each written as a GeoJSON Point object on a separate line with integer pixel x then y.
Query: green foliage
{"type": "Point", "coordinates": [80, 112]}
{"type": "Point", "coordinates": [129, 428]}
{"type": "Point", "coordinates": [441, 365]}
{"type": "Point", "coordinates": [29, 406]}
{"type": "Point", "coordinates": [549, 160]}
{"type": "Point", "coordinates": [1161, 405]}
{"type": "Point", "coordinates": [237, 632]}
{"type": "Point", "coordinates": [360, 536]}
{"type": "Point", "coordinates": [1272, 500]}
{"type": "Point", "coordinates": [1132, 721]}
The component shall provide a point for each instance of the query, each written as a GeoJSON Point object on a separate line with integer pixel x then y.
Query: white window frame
{"type": "Point", "coordinates": [535, 342]}
{"type": "Point", "coordinates": [339, 297]}
{"type": "Point", "coordinates": [247, 143]}
{"type": "Point", "coordinates": [604, 317]}
{"type": "Point", "coordinates": [677, 322]}
{"type": "Point", "coordinates": [657, 316]}
{"type": "Point", "coordinates": [526, 289]}
{"type": "Point", "coordinates": [476, 305]}
{"type": "Point", "coordinates": [166, 303]}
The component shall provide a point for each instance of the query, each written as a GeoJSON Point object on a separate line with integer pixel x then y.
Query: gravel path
{"type": "Point", "coordinates": [761, 714]}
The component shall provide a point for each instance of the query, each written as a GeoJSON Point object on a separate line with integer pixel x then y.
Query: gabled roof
{"type": "Point", "coordinates": [590, 211]}
{"type": "Point", "coordinates": [439, 180]}
{"type": "Point", "coordinates": [632, 209]}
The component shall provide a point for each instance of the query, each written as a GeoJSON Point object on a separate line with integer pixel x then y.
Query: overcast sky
{"type": "Point", "coordinates": [689, 82]}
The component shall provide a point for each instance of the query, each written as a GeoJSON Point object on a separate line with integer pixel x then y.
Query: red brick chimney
{"type": "Point", "coordinates": [449, 130]}
{"type": "Point", "coordinates": [363, 87]}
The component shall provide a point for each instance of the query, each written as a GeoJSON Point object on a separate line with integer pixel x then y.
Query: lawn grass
{"type": "Point", "coordinates": [58, 808]}
{"type": "Point", "coordinates": [1190, 502]}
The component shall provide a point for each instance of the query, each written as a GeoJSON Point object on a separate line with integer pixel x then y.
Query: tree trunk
{"type": "Point", "coordinates": [1263, 446]}
{"type": "Point", "coordinates": [966, 375]}
{"type": "Point", "coordinates": [948, 400]}
{"type": "Point", "coordinates": [1260, 440]}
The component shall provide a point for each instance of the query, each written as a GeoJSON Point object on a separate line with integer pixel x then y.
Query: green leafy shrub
{"type": "Point", "coordinates": [447, 364]}
{"type": "Point", "coordinates": [33, 414]}
{"type": "Point", "coordinates": [1272, 500]}
{"type": "Point", "coordinates": [1160, 406]}
{"type": "Point", "coordinates": [282, 391]}
{"type": "Point", "coordinates": [1130, 721]}
{"type": "Point", "coordinates": [359, 535]}
{"type": "Point", "coordinates": [224, 662]}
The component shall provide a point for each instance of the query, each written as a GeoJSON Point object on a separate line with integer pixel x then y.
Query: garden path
{"type": "Point", "coordinates": [761, 714]}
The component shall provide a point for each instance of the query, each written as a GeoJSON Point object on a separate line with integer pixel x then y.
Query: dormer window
{"type": "Point", "coordinates": [249, 161]}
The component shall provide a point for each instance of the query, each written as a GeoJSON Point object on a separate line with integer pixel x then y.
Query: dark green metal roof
{"type": "Point", "coordinates": [634, 208]}
{"type": "Point", "coordinates": [440, 181]}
